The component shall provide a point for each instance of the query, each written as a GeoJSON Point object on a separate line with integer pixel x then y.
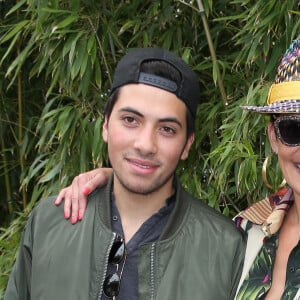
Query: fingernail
{"type": "Point", "coordinates": [86, 191]}
{"type": "Point", "coordinates": [79, 216]}
{"type": "Point", "coordinates": [73, 220]}
{"type": "Point", "coordinates": [66, 216]}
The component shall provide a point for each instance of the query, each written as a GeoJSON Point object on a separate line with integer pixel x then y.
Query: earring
{"type": "Point", "coordinates": [264, 173]}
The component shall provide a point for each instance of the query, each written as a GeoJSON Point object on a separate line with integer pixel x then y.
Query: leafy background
{"type": "Point", "coordinates": [56, 63]}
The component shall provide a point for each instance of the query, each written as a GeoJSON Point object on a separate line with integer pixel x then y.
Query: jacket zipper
{"type": "Point", "coordinates": [152, 270]}
{"type": "Point", "coordinates": [106, 265]}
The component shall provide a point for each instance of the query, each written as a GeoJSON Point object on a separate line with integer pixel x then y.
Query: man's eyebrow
{"type": "Point", "coordinates": [161, 120]}
{"type": "Point", "coordinates": [170, 120]}
{"type": "Point", "coordinates": [131, 110]}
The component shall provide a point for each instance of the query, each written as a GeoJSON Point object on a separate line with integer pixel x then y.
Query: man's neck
{"type": "Point", "coordinates": [135, 209]}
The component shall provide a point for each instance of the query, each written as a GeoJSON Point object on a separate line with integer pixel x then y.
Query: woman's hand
{"type": "Point", "coordinates": [75, 195]}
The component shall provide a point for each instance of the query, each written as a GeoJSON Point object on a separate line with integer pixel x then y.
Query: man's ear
{"type": "Point", "coordinates": [272, 137]}
{"type": "Point", "coordinates": [105, 129]}
{"type": "Point", "coordinates": [187, 147]}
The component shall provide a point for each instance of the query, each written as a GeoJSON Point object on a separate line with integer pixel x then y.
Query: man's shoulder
{"type": "Point", "coordinates": [47, 202]}
{"type": "Point", "coordinates": [199, 207]}
{"type": "Point", "coordinates": [209, 216]}
{"type": "Point", "coordinates": [46, 210]}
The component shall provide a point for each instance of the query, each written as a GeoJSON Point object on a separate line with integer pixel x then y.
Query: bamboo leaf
{"type": "Point", "coordinates": [53, 83]}
{"type": "Point", "coordinates": [73, 47]}
{"type": "Point", "coordinates": [57, 11]}
{"type": "Point", "coordinates": [36, 166]}
{"type": "Point", "coordinates": [97, 76]}
{"type": "Point", "coordinates": [86, 80]}
{"type": "Point", "coordinates": [52, 173]}
{"type": "Point", "coordinates": [11, 46]}
{"type": "Point", "coordinates": [186, 55]}
{"type": "Point", "coordinates": [15, 7]}
{"type": "Point", "coordinates": [75, 67]}
{"type": "Point", "coordinates": [126, 26]}
{"type": "Point", "coordinates": [67, 21]}
{"type": "Point", "coordinates": [90, 44]}
{"type": "Point", "coordinates": [215, 72]}
{"type": "Point", "coordinates": [15, 30]}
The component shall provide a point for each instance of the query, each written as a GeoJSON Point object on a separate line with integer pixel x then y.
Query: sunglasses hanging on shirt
{"type": "Point", "coordinates": [112, 282]}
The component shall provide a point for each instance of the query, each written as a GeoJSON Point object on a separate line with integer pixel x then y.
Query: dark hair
{"type": "Point", "coordinates": [273, 117]}
{"type": "Point", "coordinates": [159, 68]}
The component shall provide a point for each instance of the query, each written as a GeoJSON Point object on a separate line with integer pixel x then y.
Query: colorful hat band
{"type": "Point", "coordinates": [288, 90]}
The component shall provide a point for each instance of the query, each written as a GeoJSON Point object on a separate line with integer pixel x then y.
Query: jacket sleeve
{"type": "Point", "coordinates": [19, 283]}
{"type": "Point", "coordinates": [238, 262]}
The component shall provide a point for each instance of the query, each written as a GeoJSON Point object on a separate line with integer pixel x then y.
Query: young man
{"type": "Point", "coordinates": [142, 237]}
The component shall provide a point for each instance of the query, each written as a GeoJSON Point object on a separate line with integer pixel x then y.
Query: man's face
{"type": "Point", "coordinates": [146, 136]}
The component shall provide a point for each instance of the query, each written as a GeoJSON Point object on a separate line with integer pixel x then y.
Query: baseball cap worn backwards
{"type": "Point", "coordinates": [128, 71]}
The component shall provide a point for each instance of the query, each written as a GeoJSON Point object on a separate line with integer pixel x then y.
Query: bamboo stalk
{"type": "Point", "coordinates": [6, 177]}
{"type": "Point", "coordinates": [212, 52]}
{"type": "Point", "coordinates": [20, 136]}
{"type": "Point", "coordinates": [20, 126]}
{"type": "Point", "coordinates": [20, 131]}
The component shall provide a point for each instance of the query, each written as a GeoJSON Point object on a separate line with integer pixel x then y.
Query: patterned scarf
{"type": "Point", "coordinates": [269, 212]}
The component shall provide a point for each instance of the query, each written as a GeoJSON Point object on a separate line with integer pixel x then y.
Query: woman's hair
{"type": "Point", "coordinates": [162, 69]}
{"type": "Point", "coordinates": [273, 118]}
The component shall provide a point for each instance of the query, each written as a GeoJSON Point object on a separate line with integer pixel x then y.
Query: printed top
{"type": "Point", "coordinates": [269, 214]}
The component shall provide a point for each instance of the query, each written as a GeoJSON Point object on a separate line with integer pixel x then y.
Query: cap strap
{"type": "Point", "coordinates": [288, 90]}
{"type": "Point", "coordinates": [158, 81]}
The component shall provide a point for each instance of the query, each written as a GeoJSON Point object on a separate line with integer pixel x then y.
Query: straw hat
{"type": "Point", "coordinates": [284, 94]}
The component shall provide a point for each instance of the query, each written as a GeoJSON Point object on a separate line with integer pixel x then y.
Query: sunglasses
{"type": "Point", "coordinates": [112, 282]}
{"type": "Point", "coordinates": [287, 129]}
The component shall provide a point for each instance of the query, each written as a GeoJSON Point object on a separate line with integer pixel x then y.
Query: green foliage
{"type": "Point", "coordinates": [9, 241]}
{"type": "Point", "coordinates": [56, 65]}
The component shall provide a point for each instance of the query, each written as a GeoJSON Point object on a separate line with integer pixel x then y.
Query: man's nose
{"type": "Point", "coordinates": [145, 141]}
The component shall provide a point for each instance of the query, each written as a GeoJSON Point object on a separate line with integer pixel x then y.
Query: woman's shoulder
{"type": "Point", "coordinates": [268, 212]}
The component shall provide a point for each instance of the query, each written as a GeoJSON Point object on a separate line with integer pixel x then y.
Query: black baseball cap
{"type": "Point", "coordinates": [128, 71]}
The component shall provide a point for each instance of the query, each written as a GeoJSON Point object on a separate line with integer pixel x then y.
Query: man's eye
{"type": "Point", "coordinates": [129, 120]}
{"type": "Point", "coordinates": [169, 130]}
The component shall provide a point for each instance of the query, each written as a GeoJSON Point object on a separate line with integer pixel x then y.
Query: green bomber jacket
{"type": "Point", "coordinates": [198, 256]}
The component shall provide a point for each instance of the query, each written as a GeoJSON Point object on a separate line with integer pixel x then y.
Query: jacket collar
{"type": "Point", "coordinates": [176, 217]}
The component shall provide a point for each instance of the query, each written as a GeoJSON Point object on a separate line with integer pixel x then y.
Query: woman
{"type": "Point", "coordinates": [272, 262]}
